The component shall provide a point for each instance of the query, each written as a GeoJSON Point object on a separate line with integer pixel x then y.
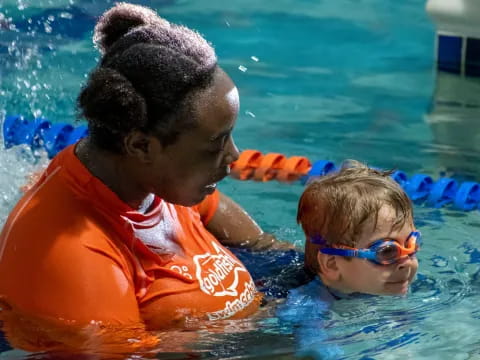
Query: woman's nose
{"type": "Point", "coordinates": [232, 152]}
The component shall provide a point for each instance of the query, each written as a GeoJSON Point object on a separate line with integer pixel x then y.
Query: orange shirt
{"type": "Point", "coordinates": [72, 250]}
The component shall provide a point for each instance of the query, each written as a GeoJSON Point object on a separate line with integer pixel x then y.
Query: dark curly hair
{"type": "Point", "coordinates": [145, 80]}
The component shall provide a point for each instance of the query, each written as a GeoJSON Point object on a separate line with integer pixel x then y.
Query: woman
{"type": "Point", "coordinates": [127, 226]}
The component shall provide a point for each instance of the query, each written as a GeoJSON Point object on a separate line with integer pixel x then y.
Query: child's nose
{"type": "Point", "coordinates": [404, 262]}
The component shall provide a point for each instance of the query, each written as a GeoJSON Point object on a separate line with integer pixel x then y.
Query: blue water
{"type": "Point", "coordinates": [327, 79]}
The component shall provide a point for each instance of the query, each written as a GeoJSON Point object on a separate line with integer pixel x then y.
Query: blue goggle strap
{"type": "Point", "coordinates": [363, 254]}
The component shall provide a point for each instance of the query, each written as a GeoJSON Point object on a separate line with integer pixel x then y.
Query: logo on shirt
{"type": "Point", "coordinates": [182, 270]}
{"type": "Point", "coordinates": [218, 273]}
{"type": "Point", "coordinates": [236, 305]}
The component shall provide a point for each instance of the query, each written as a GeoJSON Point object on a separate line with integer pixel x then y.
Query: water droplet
{"type": "Point", "coordinates": [66, 15]}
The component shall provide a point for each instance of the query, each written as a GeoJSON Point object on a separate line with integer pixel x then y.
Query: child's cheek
{"type": "Point", "coordinates": [414, 269]}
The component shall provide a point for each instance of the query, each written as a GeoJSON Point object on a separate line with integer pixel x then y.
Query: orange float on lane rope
{"type": "Point", "coordinates": [294, 168]}
{"type": "Point", "coordinates": [248, 161]}
{"type": "Point", "coordinates": [253, 164]}
{"type": "Point", "coordinates": [269, 167]}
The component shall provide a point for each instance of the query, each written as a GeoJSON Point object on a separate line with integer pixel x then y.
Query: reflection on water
{"type": "Point", "coordinates": [454, 120]}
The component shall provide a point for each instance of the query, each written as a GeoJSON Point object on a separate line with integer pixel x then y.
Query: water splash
{"type": "Point", "coordinates": [16, 165]}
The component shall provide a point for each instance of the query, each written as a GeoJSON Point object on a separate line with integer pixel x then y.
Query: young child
{"type": "Point", "coordinates": [360, 236]}
{"type": "Point", "coordinates": [360, 239]}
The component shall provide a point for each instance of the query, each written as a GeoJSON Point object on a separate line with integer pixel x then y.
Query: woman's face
{"type": "Point", "coordinates": [188, 170]}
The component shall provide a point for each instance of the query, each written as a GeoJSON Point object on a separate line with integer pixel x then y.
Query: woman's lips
{"type": "Point", "coordinates": [210, 188]}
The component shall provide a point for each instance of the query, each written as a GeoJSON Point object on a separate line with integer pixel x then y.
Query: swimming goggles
{"type": "Point", "coordinates": [381, 252]}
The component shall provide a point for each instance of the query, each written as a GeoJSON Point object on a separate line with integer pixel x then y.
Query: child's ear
{"type": "Point", "coordinates": [328, 267]}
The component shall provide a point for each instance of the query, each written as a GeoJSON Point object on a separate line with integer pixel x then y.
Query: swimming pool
{"type": "Point", "coordinates": [329, 79]}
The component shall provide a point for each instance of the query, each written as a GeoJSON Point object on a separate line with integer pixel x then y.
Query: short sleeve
{"type": "Point", "coordinates": [208, 207]}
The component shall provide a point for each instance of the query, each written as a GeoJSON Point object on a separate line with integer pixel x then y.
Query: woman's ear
{"type": "Point", "coordinates": [139, 145]}
{"type": "Point", "coordinates": [328, 268]}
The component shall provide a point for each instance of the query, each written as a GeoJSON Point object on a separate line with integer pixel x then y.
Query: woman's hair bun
{"type": "Point", "coordinates": [119, 20]}
{"type": "Point", "coordinates": [110, 101]}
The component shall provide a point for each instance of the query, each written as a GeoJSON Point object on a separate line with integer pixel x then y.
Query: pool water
{"type": "Point", "coordinates": [326, 79]}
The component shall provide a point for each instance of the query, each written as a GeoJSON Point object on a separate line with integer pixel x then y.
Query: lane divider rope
{"type": "Point", "coordinates": [253, 165]}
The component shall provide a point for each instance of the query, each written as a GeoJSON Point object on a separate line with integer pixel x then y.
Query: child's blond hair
{"type": "Point", "coordinates": [334, 209]}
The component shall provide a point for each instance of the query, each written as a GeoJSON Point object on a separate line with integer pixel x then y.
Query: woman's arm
{"type": "Point", "coordinates": [232, 226]}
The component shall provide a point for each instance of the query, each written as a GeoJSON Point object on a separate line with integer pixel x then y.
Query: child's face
{"type": "Point", "coordinates": [361, 275]}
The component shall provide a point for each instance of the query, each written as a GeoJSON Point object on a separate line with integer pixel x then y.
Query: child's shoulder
{"type": "Point", "coordinates": [311, 300]}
